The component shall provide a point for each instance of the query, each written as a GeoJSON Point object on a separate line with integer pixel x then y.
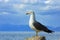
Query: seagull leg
{"type": "Point", "coordinates": [36, 33]}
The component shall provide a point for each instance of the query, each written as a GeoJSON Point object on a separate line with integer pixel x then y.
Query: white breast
{"type": "Point", "coordinates": [31, 21]}
{"type": "Point", "coordinates": [31, 24]}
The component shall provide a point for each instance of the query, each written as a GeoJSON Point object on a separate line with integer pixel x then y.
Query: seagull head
{"type": "Point", "coordinates": [29, 12]}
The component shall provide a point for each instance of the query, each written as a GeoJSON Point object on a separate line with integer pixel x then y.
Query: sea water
{"type": "Point", "coordinates": [23, 35]}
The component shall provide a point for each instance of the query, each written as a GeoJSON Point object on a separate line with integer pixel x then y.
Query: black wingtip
{"type": "Point", "coordinates": [50, 31]}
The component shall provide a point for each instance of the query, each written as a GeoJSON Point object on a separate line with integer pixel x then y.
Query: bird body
{"type": "Point", "coordinates": [31, 21]}
{"type": "Point", "coordinates": [35, 25]}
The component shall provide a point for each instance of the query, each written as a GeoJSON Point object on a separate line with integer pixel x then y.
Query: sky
{"type": "Point", "coordinates": [13, 12]}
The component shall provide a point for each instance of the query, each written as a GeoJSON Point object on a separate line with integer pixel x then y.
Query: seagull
{"type": "Point", "coordinates": [35, 25]}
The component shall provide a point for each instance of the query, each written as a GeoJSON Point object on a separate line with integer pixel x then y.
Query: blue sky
{"type": "Point", "coordinates": [13, 12]}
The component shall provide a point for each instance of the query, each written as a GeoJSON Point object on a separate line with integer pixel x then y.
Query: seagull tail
{"type": "Point", "coordinates": [49, 31]}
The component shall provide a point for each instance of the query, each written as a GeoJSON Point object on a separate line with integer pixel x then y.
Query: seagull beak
{"type": "Point", "coordinates": [27, 13]}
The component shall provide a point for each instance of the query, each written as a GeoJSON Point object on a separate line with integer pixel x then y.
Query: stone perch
{"type": "Point", "coordinates": [37, 38]}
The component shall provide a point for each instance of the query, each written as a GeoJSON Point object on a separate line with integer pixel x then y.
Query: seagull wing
{"type": "Point", "coordinates": [41, 27]}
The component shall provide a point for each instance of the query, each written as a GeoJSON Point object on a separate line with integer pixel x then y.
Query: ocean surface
{"type": "Point", "coordinates": [23, 35]}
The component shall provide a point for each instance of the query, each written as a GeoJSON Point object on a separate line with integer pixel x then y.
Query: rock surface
{"type": "Point", "coordinates": [37, 38]}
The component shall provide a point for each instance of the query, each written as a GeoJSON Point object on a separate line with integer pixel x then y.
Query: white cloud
{"type": "Point", "coordinates": [1, 0]}
{"type": "Point", "coordinates": [44, 8]}
{"type": "Point", "coordinates": [4, 13]}
{"type": "Point", "coordinates": [50, 4]}
{"type": "Point", "coordinates": [6, 1]}
{"type": "Point", "coordinates": [49, 7]}
{"type": "Point", "coordinates": [19, 6]}
{"type": "Point", "coordinates": [33, 1]}
{"type": "Point", "coordinates": [48, 1]}
{"type": "Point", "coordinates": [25, 1]}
